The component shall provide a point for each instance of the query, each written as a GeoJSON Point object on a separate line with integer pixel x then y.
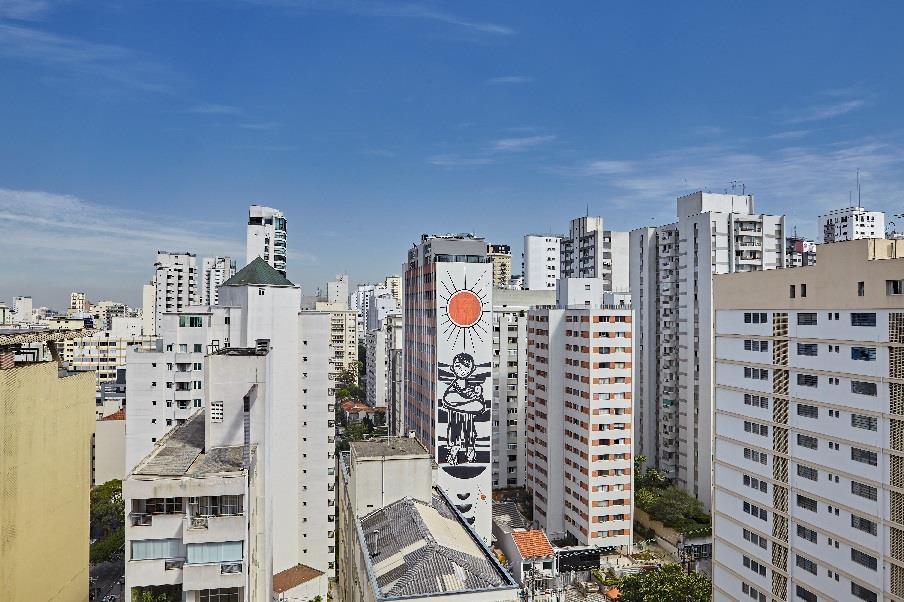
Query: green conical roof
{"type": "Point", "coordinates": [258, 272]}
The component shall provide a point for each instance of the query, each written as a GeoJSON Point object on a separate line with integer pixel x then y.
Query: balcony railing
{"type": "Point", "coordinates": [230, 568]}
{"type": "Point", "coordinates": [199, 522]}
{"type": "Point", "coordinates": [140, 520]}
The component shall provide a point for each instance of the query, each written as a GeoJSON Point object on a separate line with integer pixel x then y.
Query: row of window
{"type": "Point", "coordinates": [857, 318]}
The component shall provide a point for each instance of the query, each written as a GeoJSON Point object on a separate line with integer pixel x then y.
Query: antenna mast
{"type": "Point", "coordinates": [858, 188]}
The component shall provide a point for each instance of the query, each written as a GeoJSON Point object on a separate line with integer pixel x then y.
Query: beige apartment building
{"type": "Point", "coordinates": [501, 258]}
{"type": "Point", "coordinates": [45, 447]}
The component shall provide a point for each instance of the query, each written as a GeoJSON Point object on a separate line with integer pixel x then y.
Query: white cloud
{"type": "Point", "coordinates": [209, 108]}
{"type": "Point", "coordinates": [455, 160]}
{"type": "Point", "coordinates": [789, 135]}
{"type": "Point", "coordinates": [595, 168]}
{"type": "Point", "coordinates": [523, 143]}
{"type": "Point", "coordinates": [510, 79]}
{"type": "Point", "coordinates": [827, 111]}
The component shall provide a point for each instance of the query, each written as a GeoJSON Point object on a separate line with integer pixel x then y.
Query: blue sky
{"type": "Point", "coordinates": [128, 126]}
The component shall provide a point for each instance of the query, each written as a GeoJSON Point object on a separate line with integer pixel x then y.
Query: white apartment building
{"type": "Point", "coordinates": [851, 223]}
{"type": "Point", "coordinates": [808, 500]}
{"type": "Point", "coordinates": [266, 237]}
{"type": "Point", "coordinates": [590, 251]}
{"type": "Point", "coordinates": [5, 314]}
{"type": "Point", "coordinates": [204, 522]}
{"type": "Point", "coordinates": [104, 351]}
{"type": "Point", "coordinates": [393, 284]}
{"type": "Point", "coordinates": [540, 261]}
{"type": "Point", "coordinates": [337, 290]}
{"type": "Point", "coordinates": [510, 309]}
{"type": "Point", "coordinates": [799, 252]}
{"type": "Point", "coordinates": [580, 426]}
{"type": "Point", "coordinates": [214, 272]}
{"type": "Point", "coordinates": [501, 258]}
{"type": "Point", "coordinates": [78, 302]}
{"type": "Point", "coordinates": [103, 313]}
{"type": "Point", "coordinates": [672, 269]}
{"type": "Point", "coordinates": [383, 346]}
{"type": "Point", "coordinates": [164, 384]}
{"type": "Point", "coordinates": [175, 283]}
{"type": "Point", "coordinates": [343, 336]}
{"type": "Point", "coordinates": [380, 303]}
{"type": "Point", "coordinates": [447, 356]}
{"type": "Point", "coordinates": [22, 310]}
{"type": "Point", "coordinates": [400, 535]}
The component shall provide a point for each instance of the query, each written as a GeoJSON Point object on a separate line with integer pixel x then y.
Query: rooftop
{"type": "Point", "coordinates": [288, 579]}
{"type": "Point", "coordinates": [532, 544]}
{"type": "Point", "coordinates": [418, 549]}
{"type": "Point", "coordinates": [258, 272]}
{"type": "Point", "coordinates": [388, 446]}
{"type": "Point", "coordinates": [181, 453]}
{"type": "Point", "coordinates": [507, 516]}
{"type": "Point", "coordinates": [118, 415]}
{"type": "Point", "coordinates": [27, 336]}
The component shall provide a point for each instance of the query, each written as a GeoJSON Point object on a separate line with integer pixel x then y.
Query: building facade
{"type": "Point", "coordinates": [541, 261]}
{"type": "Point", "coordinates": [447, 366]}
{"type": "Point", "coordinates": [214, 272]}
{"type": "Point", "coordinates": [510, 309]}
{"type": "Point", "coordinates": [580, 425]}
{"type": "Point", "coordinates": [175, 283]}
{"type": "Point", "coordinates": [383, 346]}
{"type": "Point", "coordinates": [672, 269]}
{"type": "Point", "coordinates": [22, 309]}
{"type": "Point", "coordinates": [809, 459]}
{"type": "Point", "coordinates": [78, 303]}
{"type": "Point", "coordinates": [265, 237]}
{"type": "Point", "coordinates": [501, 258]}
{"type": "Point", "coordinates": [851, 223]}
{"type": "Point", "coordinates": [799, 252]}
{"type": "Point", "coordinates": [104, 352]}
{"type": "Point", "coordinates": [590, 251]}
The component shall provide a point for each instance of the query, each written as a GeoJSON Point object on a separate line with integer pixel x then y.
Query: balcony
{"type": "Point", "coordinates": [213, 575]}
{"type": "Point", "coordinates": [203, 529]}
{"type": "Point", "coordinates": [140, 520]}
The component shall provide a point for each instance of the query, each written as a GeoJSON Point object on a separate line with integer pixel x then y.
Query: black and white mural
{"type": "Point", "coordinates": [464, 348]}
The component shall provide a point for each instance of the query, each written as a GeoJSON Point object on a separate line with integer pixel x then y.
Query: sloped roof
{"type": "Point", "coordinates": [290, 578]}
{"type": "Point", "coordinates": [532, 544]}
{"type": "Point", "coordinates": [117, 415]}
{"type": "Point", "coordinates": [419, 548]}
{"type": "Point", "coordinates": [258, 272]}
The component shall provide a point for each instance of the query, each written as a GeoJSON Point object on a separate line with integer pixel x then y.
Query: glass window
{"type": "Point", "coordinates": [865, 456]}
{"type": "Point", "coordinates": [864, 388]}
{"type": "Point", "coordinates": [807, 411]}
{"type": "Point", "coordinates": [869, 423]}
{"type": "Point", "coordinates": [806, 319]}
{"type": "Point", "coordinates": [807, 349]}
{"type": "Point", "coordinates": [155, 549]}
{"type": "Point", "coordinates": [807, 380]}
{"type": "Point", "coordinates": [223, 594]}
{"type": "Point", "coordinates": [865, 354]}
{"type": "Point", "coordinates": [863, 319]}
{"type": "Point", "coordinates": [219, 551]}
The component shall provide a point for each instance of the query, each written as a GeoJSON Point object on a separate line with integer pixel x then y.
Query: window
{"type": "Point", "coordinates": [894, 287]}
{"type": "Point", "coordinates": [808, 534]}
{"type": "Point", "coordinates": [863, 558]}
{"type": "Point", "coordinates": [755, 483]}
{"type": "Point", "coordinates": [807, 349]}
{"type": "Point", "coordinates": [807, 380]}
{"type": "Point", "coordinates": [223, 594]}
{"type": "Point", "coordinates": [756, 373]}
{"type": "Point", "coordinates": [752, 345]}
{"type": "Point", "coordinates": [216, 411]}
{"type": "Point", "coordinates": [805, 594]}
{"type": "Point", "coordinates": [865, 456]}
{"type": "Point", "coordinates": [864, 354]}
{"type": "Point", "coordinates": [807, 411]}
{"type": "Point", "coordinates": [864, 490]}
{"type": "Point", "coordinates": [869, 423]}
{"type": "Point", "coordinates": [196, 403]}
{"type": "Point", "coordinates": [791, 292]}
{"type": "Point", "coordinates": [756, 401]}
{"type": "Point", "coordinates": [183, 348]}
{"type": "Point", "coordinates": [863, 524]}
{"type": "Point", "coordinates": [755, 511]}
{"type": "Point", "coordinates": [191, 321]}
{"type": "Point", "coordinates": [755, 538]}
{"type": "Point", "coordinates": [862, 387]}
{"type": "Point", "coordinates": [806, 503]}
{"type": "Point", "coordinates": [803, 290]}
{"type": "Point", "coordinates": [861, 289]}
{"type": "Point", "coordinates": [756, 428]}
{"type": "Point", "coordinates": [753, 592]}
{"type": "Point", "coordinates": [756, 456]}
{"type": "Point", "coordinates": [863, 319]}
{"type": "Point", "coordinates": [199, 348]}
{"type": "Point", "coordinates": [755, 566]}
{"type": "Point", "coordinates": [155, 549]}
{"type": "Point", "coordinates": [807, 441]}
{"type": "Point", "coordinates": [861, 592]}
{"type": "Point", "coordinates": [807, 472]}
{"type": "Point", "coordinates": [806, 319]}
{"type": "Point", "coordinates": [230, 505]}
{"type": "Point", "coordinates": [806, 564]}
{"type": "Point", "coordinates": [755, 318]}
{"type": "Point", "coordinates": [220, 551]}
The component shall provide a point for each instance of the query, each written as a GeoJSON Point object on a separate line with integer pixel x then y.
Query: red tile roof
{"type": "Point", "coordinates": [293, 577]}
{"type": "Point", "coordinates": [532, 544]}
{"type": "Point", "coordinates": [118, 415]}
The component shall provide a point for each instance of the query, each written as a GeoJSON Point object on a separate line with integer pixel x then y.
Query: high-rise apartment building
{"type": "Point", "coordinates": [541, 261]}
{"type": "Point", "coordinates": [103, 313]}
{"type": "Point", "coordinates": [799, 252]}
{"type": "Point", "coordinates": [501, 258]}
{"type": "Point", "coordinates": [672, 269]}
{"type": "Point", "coordinates": [78, 303]}
{"type": "Point", "coordinates": [104, 351]}
{"type": "Point", "coordinates": [809, 400]}
{"type": "Point", "coordinates": [393, 284]}
{"type": "Point", "coordinates": [383, 347]}
{"type": "Point", "coordinates": [590, 251]}
{"type": "Point", "coordinates": [580, 422]}
{"type": "Point", "coordinates": [448, 334]}
{"type": "Point", "coordinates": [851, 223]}
{"type": "Point", "coordinates": [337, 290]}
{"type": "Point", "coordinates": [266, 237]}
{"type": "Point", "coordinates": [175, 283]}
{"type": "Point", "coordinates": [45, 437]}
{"type": "Point", "coordinates": [214, 272]}
{"type": "Point", "coordinates": [22, 310]}
{"type": "Point", "coordinates": [510, 309]}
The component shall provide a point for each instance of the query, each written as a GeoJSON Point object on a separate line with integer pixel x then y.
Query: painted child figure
{"type": "Point", "coordinates": [464, 401]}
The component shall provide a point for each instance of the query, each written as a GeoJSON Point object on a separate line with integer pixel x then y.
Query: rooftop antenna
{"type": "Point", "coordinates": [858, 189]}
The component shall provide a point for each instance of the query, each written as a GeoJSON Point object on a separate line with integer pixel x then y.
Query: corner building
{"type": "Point", "coordinates": [447, 354]}
{"type": "Point", "coordinates": [808, 500]}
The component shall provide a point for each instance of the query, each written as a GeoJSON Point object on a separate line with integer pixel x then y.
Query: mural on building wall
{"type": "Point", "coordinates": [464, 395]}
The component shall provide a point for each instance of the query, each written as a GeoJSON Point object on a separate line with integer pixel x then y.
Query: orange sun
{"type": "Point", "coordinates": [465, 308]}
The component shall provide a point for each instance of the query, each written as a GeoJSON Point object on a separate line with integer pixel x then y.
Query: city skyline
{"type": "Point", "coordinates": [137, 128]}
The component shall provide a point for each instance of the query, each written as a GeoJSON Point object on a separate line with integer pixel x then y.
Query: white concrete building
{"type": "Point", "coordinates": [590, 251]}
{"type": "Point", "coordinates": [799, 252]}
{"type": "Point", "coordinates": [671, 288]}
{"type": "Point", "coordinates": [851, 223]}
{"type": "Point", "coordinates": [148, 311]}
{"type": "Point", "coordinates": [266, 237]}
{"type": "Point", "coordinates": [510, 309]}
{"type": "Point", "coordinates": [337, 290]}
{"type": "Point", "coordinates": [214, 272]}
{"type": "Point", "coordinates": [380, 303]}
{"type": "Point", "coordinates": [105, 351]}
{"type": "Point", "coordinates": [501, 258]}
{"type": "Point", "coordinates": [393, 284]}
{"type": "Point", "coordinates": [22, 310]}
{"type": "Point", "coordinates": [175, 283]}
{"type": "Point", "coordinates": [809, 456]}
{"type": "Point", "coordinates": [448, 353]}
{"type": "Point", "coordinates": [580, 425]}
{"type": "Point", "coordinates": [384, 345]}
{"type": "Point", "coordinates": [540, 261]}
{"type": "Point", "coordinates": [78, 303]}
{"type": "Point", "coordinates": [403, 538]}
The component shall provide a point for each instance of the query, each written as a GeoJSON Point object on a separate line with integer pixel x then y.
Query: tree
{"type": "Point", "coordinates": [667, 583]}
{"type": "Point", "coordinates": [107, 508]}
